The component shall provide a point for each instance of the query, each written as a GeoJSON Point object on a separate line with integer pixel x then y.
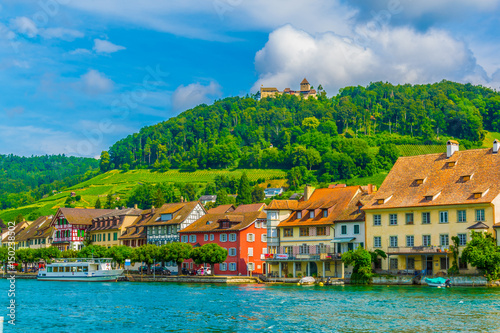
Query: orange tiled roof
{"type": "Point", "coordinates": [283, 205]}
{"type": "Point", "coordinates": [444, 182]}
{"type": "Point", "coordinates": [221, 209]}
{"type": "Point", "coordinates": [341, 204]}
{"type": "Point", "coordinates": [238, 221]}
{"type": "Point", "coordinates": [250, 208]}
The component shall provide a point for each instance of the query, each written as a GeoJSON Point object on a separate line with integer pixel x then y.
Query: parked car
{"type": "Point", "coordinates": [203, 271]}
{"type": "Point", "coordinates": [155, 269]}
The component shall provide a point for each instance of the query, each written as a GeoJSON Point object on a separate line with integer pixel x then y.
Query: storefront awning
{"type": "Point", "coordinates": [343, 239]}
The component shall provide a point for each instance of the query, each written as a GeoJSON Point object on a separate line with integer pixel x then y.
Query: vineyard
{"type": "Point", "coordinates": [412, 150]}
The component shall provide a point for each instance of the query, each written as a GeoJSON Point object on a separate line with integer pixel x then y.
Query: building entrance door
{"type": "Point", "coordinates": [314, 269]}
{"type": "Point", "coordinates": [429, 266]}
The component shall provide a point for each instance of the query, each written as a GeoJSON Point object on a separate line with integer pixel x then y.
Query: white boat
{"type": "Point", "coordinates": [75, 269]}
{"type": "Point", "coordinates": [438, 282]}
{"type": "Point", "coordinates": [307, 281]}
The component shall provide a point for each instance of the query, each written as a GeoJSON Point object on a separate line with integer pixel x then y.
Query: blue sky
{"type": "Point", "coordinates": [79, 75]}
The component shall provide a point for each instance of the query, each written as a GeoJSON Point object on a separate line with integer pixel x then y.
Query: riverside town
{"type": "Point", "coordinates": [240, 166]}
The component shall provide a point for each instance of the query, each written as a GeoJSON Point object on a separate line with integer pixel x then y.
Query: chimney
{"type": "Point", "coordinates": [370, 188]}
{"type": "Point", "coordinates": [152, 209]}
{"type": "Point", "coordinates": [496, 145]}
{"type": "Point", "coordinates": [182, 198]}
{"type": "Point", "coordinates": [308, 191]}
{"type": "Point", "coordinates": [135, 206]}
{"type": "Point", "coordinates": [451, 147]}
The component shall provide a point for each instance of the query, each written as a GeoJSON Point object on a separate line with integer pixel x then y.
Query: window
{"type": "Point", "coordinates": [263, 238]}
{"type": "Point", "coordinates": [264, 250]}
{"type": "Point", "coordinates": [304, 231]}
{"type": "Point", "coordinates": [251, 266]}
{"type": "Point", "coordinates": [288, 232]}
{"type": "Point", "coordinates": [444, 240]}
{"type": "Point", "coordinates": [303, 249]}
{"type": "Point", "coordinates": [212, 237]}
{"type": "Point", "coordinates": [115, 236]}
{"type": "Point", "coordinates": [232, 237]}
{"type": "Point", "coordinates": [426, 218]}
{"type": "Point", "coordinates": [327, 266]}
{"type": "Point", "coordinates": [109, 237]}
{"type": "Point", "coordinates": [393, 219]}
{"type": "Point", "coordinates": [410, 263]}
{"type": "Point", "coordinates": [426, 240]}
{"type": "Point", "coordinates": [325, 213]}
{"type": "Point", "coordinates": [443, 217]}
{"type": "Point", "coordinates": [166, 217]}
{"type": "Point", "coordinates": [409, 218]}
{"type": "Point", "coordinates": [223, 266]}
{"type": "Point", "coordinates": [377, 241]}
{"type": "Point", "coordinates": [288, 250]}
{"type": "Point", "coordinates": [321, 231]}
{"type": "Point", "coordinates": [311, 214]}
{"type": "Point", "coordinates": [250, 251]}
{"type": "Point", "coordinates": [356, 229]}
{"type": "Point", "coordinates": [223, 237]}
{"type": "Point", "coordinates": [343, 230]}
{"type": "Point", "coordinates": [444, 263]}
{"type": "Point", "coordinates": [462, 217]}
{"type": "Point", "coordinates": [250, 237]}
{"type": "Point", "coordinates": [299, 215]}
{"type": "Point", "coordinates": [393, 241]}
{"type": "Point", "coordinates": [410, 241]}
{"type": "Point", "coordinates": [462, 239]}
{"type": "Point", "coordinates": [480, 215]}
{"type": "Point", "coordinates": [377, 219]}
{"type": "Point", "coordinates": [393, 263]}
{"type": "Point", "coordinates": [232, 266]}
{"type": "Point", "coordinates": [192, 238]}
{"type": "Point", "coordinates": [205, 237]}
{"type": "Point", "coordinates": [184, 238]}
{"type": "Point", "coordinates": [232, 252]}
{"type": "Point", "coordinates": [257, 225]}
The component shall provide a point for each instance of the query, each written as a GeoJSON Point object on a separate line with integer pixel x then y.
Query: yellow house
{"type": "Point", "coordinates": [311, 235]}
{"type": "Point", "coordinates": [428, 199]}
{"type": "Point", "coordinates": [37, 235]}
{"type": "Point", "coordinates": [107, 229]}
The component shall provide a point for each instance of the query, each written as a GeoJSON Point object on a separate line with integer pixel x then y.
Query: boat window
{"type": "Point", "coordinates": [73, 269]}
{"type": "Point", "coordinates": [79, 269]}
{"type": "Point", "coordinates": [67, 269]}
{"type": "Point", "coordinates": [49, 269]}
{"type": "Point", "coordinates": [56, 269]}
{"type": "Point", "coordinates": [85, 269]}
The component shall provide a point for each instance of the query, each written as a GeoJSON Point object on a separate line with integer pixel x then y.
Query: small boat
{"type": "Point", "coordinates": [438, 282]}
{"type": "Point", "coordinates": [84, 269]}
{"type": "Point", "coordinates": [306, 281]}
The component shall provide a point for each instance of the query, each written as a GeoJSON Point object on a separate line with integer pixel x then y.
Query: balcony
{"type": "Point", "coordinates": [273, 241]}
{"type": "Point", "coordinates": [300, 257]}
{"type": "Point", "coordinates": [416, 250]}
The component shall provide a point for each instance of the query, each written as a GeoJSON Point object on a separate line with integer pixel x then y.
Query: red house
{"type": "Point", "coordinates": [243, 233]}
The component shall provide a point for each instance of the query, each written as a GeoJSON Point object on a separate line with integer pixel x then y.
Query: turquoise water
{"type": "Point", "coordinates": [159, 307]}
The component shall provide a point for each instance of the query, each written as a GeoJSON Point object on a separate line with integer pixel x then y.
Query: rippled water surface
{"type": "Point", "coordinates": [159, 307]}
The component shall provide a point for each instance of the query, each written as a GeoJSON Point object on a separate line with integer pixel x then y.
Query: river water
{"type": "Point", "coordinates": [159, 307]}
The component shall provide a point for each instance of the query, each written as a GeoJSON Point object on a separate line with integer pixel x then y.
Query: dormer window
{"type": "Point", "coordinates": [451, 164]}
{"type": "Point", "coordinates": [311, 214]}
{"type": "Point", "coordinates": [480, 194]}
{"type": "Point", "coordinates": [299, 215]}
{"type": "Point", "coordinates": [431, 196]}
{"type": "Point", "coordinates": [420, 181]}
{"type": "Point", "coordinates": [325, 212]}
{"type": "Point", "coordinates": [166, 217]}
{"type": "Point", "coordinates": [466, 178]}
{"type": "Point", "coordinates": [382, 201]}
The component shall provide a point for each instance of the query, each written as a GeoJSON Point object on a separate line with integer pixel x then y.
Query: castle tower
{"type": "Point", "coordinates": [304, 85]}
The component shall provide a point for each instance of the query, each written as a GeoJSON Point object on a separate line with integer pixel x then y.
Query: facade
{"type": "Point", "coordinates": [204, 199]}
{"type": "Point", "coordinates": [164, 226]}
{"type": "Point", "coordinates": [70, 226]}
{"type": "Point", "coordinates": [428, 199]}
{"type": "Point", "coordinates": [241, 232]}
{"type": "Point", "coordinates": [18, 231]}
{"type": "Point", "coordinates": [272, 192]}
{"type": "Point", "coordinates": [307, 238]}
{"type": "Point", "coordinates": [37, 235]}
{"type": "Point", "coordinates": [135, 235]}
{"type": "Point", "coordinates": [107, 229]}
{"type": "Point", "coordinates": [305, 91]}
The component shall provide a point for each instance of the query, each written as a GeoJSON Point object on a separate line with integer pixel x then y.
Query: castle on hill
{"type": "Point", "coordinates": [305, 91]}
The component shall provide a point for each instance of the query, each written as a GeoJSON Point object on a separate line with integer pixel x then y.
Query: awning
{"type": "Point", "coordinates": [343, 239]}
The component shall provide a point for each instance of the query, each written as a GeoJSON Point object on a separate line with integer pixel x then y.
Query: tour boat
{"type": "Point", "coordinates": [75, 269]}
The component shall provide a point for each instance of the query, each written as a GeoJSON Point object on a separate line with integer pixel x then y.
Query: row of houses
{"type": "Point", "coordinates": [423, 202]}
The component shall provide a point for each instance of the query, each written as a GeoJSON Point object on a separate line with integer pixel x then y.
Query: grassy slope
{"type": "Point", "coordinates": [119, 183]}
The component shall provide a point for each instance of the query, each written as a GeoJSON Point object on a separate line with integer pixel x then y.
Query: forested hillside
{"type": "Point", "coordinates": [23, 180]}
{"type": "Point", "coordinates": [337, 136]}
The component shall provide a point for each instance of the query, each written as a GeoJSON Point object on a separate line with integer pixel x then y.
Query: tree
{"type": "Point", "coordinates": [257, 194]}
{"type": "Point", "coordinates": [189, 192]}
{"type": "Point", "coordinates": [4, 256]}
{"type": "Point", "coordinates": [388, 154]}
{"type": "Point", "coordinates": [125, 167]}
{"type": "Point", "coordinates": [109, 201]}
{"type": "Point", "coordinates": [148, 254]}
{"type": "Point", "coordinates": [361, 260]}
{"type": "Point", "coordinates": [70, 253]}
{"type": "Point", "coordinates": [454, 269]}
{"type": "Point", "coordinates": [19, 218]}
{"type": "Point", "coordinates": [310, 123]}
{"type": "Point", "coordinates": [49, 253]}
{"type": "Point", "coordinates": [222, 198]}
{"type": "Point", "coordinates": [25, 256]}
{"type": "Point", "coordinates": [104, 163]}
{"type": "Point", "coordinates": [376, 254]}
{"type": "Point", "coordinates": [97, 204]}
{"type": "Point", "coordinates": [244, 191]}
{"type": "Point", "coordinates": [92, 251]}
{"type": "Point", "coordinates": [78, 197]}
{"type": "Point", "coordinates": [119, 253]}
{"type": "Point", "coordinates": [483, 253]}
{"type": "Point", "coordinates": [177, 252]}
{"type": "Point", "coordinates": [210, 253]}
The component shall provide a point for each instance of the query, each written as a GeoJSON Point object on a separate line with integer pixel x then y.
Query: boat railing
{"type": "Point", "coordinates": [81, 260]}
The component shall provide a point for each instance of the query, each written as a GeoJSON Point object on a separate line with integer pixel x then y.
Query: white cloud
{"type": "Point", "coordinates": [61, 33]}
{"type": "Point", "coordinates": [398, 55]}
{"type": "Point", "coordinates": [25, 26]}
{"type": "Point", "coordinates": [80, 51]}
{"type": "Point", "coordinates": [103, 46]}
{"type": "Point", "coordinates": [185, 97]}
{"type": "Point", "coordinates": [94, 82]}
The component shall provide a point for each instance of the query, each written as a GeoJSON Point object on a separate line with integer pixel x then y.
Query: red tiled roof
{"type": "Point", "coordinates": [238, 221]}
{"type": "Point", "coordinates": [221, 209]}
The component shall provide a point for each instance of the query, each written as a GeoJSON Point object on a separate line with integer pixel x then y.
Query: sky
{"type": "Point", "coordinates": [77, 76]}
